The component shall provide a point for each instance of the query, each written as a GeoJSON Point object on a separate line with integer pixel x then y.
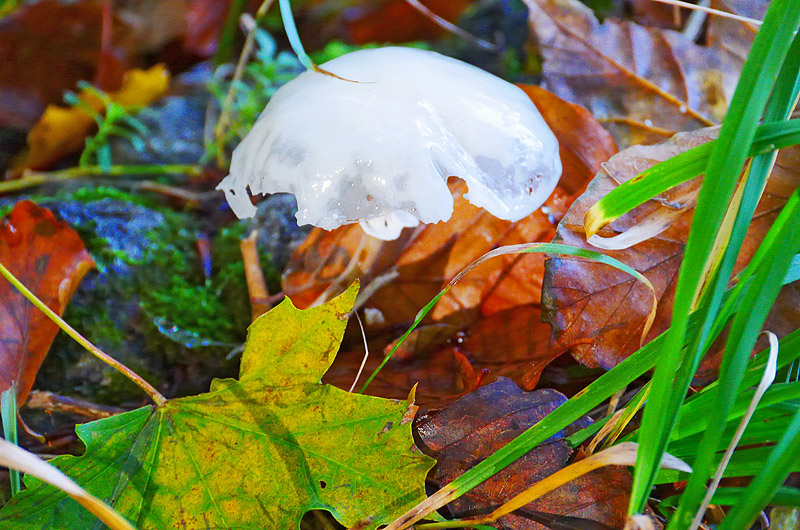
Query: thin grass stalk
{"type": "Point", "coordinates": [8, 411]}
{"type": "Point", "coordinates": [746, 325]}
{"type": "Point", "coordinates": [756, 304]}
{"type": "Point", "coordinates": [768, 481]}
{"type": "Point", "coordinates": [677, 170]}
{"type": "Point", "coordinates": [766, 381]}
{"type": "Point", "coordinates": [758, 76]}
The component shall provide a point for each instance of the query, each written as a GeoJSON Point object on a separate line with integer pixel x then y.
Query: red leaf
{"type": "Point", "coordinates": [49, 258]}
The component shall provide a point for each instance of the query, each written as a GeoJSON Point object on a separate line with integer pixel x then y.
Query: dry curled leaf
{"type": "Point", "coordinates": [49, 258]}
{"type": "Point", "coordinates": [477, 425]}
{"type": "Point", "coordinates": [644, 84]}
{"type": "Point", "coordinates": [601, 311]}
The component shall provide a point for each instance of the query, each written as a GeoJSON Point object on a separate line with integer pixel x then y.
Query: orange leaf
{"type": "Point", "coordinates": [49, 258]}
{"type": "Point", "coordinates": [62, 131]}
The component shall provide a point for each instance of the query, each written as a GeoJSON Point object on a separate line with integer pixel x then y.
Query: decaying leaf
{"type": "Point", "coordinates": [644, 84]}
{"type": "Point", "coordinates": [600, 311]}
{"type": "Point", "coordinates": [478, 424]}
{"type": "Point", "coordinates": [257, 452]}
{"type": "Point", "coordinates": [62, 130]}
{"type": "Point", "coordinates": [49, 258]}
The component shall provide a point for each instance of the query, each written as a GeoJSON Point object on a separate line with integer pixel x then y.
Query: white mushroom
{"type": "Point", "coordinates": [379, 150]}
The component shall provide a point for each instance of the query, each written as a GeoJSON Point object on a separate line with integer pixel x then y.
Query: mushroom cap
{"type": "Point", "coordinates": [381, 142]}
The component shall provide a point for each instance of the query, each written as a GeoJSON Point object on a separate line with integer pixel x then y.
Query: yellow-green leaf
{"type": "Point", "coordinates": [253, 453]}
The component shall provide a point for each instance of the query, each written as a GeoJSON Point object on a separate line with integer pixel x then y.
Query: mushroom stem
{"type": "Point", "coordinates": [360, 262]}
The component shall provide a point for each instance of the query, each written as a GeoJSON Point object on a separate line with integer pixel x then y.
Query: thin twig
{"type": "Point", "coordinates": [32, 179]}
{"type": "Point", "coordinates": [694, 24]}
{"type": "Point", "coordinates": [227, 104]}
{"type": "Point", "coordinates": [449, 26]}
{"type": "Point", "coordinates": [52, 402]}
{"type": "Point", "coordinates": [154, 394]}
{"type": "Point", "coordinates": [766, 380]}
{"type": "Point", "coordinates": [710, 11]}
{"type": "Point", "coordinates": [366, 352]}
{"type": "Point", "coordinates": [254, 276]}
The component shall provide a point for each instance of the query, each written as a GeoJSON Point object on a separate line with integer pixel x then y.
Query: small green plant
{"type": "Point", "coordinates": [115, 120]}
{"type": "Point", "coordinates": [261, 79]}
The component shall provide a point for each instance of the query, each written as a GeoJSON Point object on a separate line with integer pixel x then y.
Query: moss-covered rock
{"type": "Point", "coordinates": [152, 303]}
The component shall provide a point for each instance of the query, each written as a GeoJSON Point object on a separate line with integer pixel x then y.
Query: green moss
{"type": "Point", "coordinates": [97, 193]}
{"type": "Point", "coordinates": [132, 312]}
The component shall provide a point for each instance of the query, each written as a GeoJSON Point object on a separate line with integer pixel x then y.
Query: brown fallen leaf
{"type": "Point", "coordinates": [49, 258]}
{"type": "Point", "coordinates": [62, 130]}
{"type": "Point", "coordinates": [734, 37]}
{"type": "Point", "coordinates": [643, 84]}
{"type": "Point", "coordinates": [447, 363]}
{"type": "Point", "coordinates": [467, 431]}
{"type": "Point", "coordinates": [591, 303]}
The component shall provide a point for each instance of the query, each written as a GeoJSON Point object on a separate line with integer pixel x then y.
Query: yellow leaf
{"type": "Point", "coordinates": [141, 87]}
{"type": "Point", "coordinates": [62, 131]}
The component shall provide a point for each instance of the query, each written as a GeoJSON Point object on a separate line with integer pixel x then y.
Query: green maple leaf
{"type": "Point", "coordinates": [256, 453]}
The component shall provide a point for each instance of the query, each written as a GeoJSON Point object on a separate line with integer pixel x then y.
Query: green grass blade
{"type": "Point", "coordinates": [760, 294]}
{"type": "Point", "coordinates": [8, 411]}
{"type": "Point", "coordinates": [793, 274]}
{"type": "Point", "coordinates": [756, 304]}
{"type": "Point", "coordinates": [678, 169]}
{"type": "Point", "coordinates": [768, 480]}
{"type": "Point", "coordinates": [732, 497]}
{"type": "Point", "coordinates": [547, 248]}
{"type": "Point", "coordinates": [294, 36]}
{"type": "Point", "coordinates": [674, 370]}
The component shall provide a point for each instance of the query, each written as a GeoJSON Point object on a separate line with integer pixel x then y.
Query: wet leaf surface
{"type": "Point", "coordinates": [49, 258]}
{"type": "Point", "coordinates": [475, 426]}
